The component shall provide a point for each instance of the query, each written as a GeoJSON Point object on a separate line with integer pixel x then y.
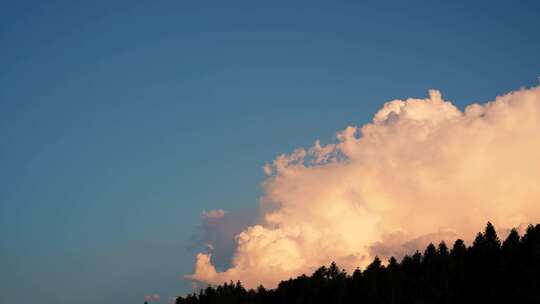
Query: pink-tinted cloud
{"type": "Point", "coordinates": [216, 234]}
{"type": "Point", "coordinates": [421, 171]}
{"type": "Point", "coordinates": [152, 298]}
{"type": "Point", "coordinates": [213, 214]}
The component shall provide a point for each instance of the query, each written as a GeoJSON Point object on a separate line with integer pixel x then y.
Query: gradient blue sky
{"type": "Point", "coordinates": [120, 122]}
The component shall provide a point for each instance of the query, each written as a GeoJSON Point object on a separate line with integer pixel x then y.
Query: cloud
{"type": "Point", "coordinates": [421, 171]}
{"type": "Point", "coordinates": [216, 234]}
{"type": "Point", "coordinates": [150, 298]}
{"type": "Point", "coordinates": [213, 214]}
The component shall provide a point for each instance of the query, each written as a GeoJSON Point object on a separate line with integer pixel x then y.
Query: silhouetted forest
{"type": "Point", "coordinates": [486, 272]}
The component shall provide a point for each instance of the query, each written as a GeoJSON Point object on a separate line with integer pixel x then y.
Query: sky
{"type": "Point", "coordinates": [122, 122]}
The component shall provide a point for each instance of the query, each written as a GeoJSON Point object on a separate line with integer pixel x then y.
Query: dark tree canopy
{"type": "Point", "coordinates": [486, 272]}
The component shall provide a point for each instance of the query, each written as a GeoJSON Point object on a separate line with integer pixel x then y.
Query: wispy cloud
{"type": "Point", "coordinates": [152, 298]}
{"type": "Point", "coordinates": [213, 214]}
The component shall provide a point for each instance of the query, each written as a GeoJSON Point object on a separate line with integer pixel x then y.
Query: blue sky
{"type": "Point", "coordinates": [120, 122]}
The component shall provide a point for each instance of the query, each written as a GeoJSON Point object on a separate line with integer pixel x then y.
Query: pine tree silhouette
{"type": "Point", "coordinates": [486, 272]}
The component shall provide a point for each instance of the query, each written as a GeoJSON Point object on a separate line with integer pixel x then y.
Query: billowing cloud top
{"type": "Point", "coordinates": [421, 171]}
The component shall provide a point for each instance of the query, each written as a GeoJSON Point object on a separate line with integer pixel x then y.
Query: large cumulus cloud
{"type": "Point", "coordinates": [421, 171]}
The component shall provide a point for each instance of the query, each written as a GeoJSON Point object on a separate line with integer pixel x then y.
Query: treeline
{"type": "Point", "coordinates": [486, 272]}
